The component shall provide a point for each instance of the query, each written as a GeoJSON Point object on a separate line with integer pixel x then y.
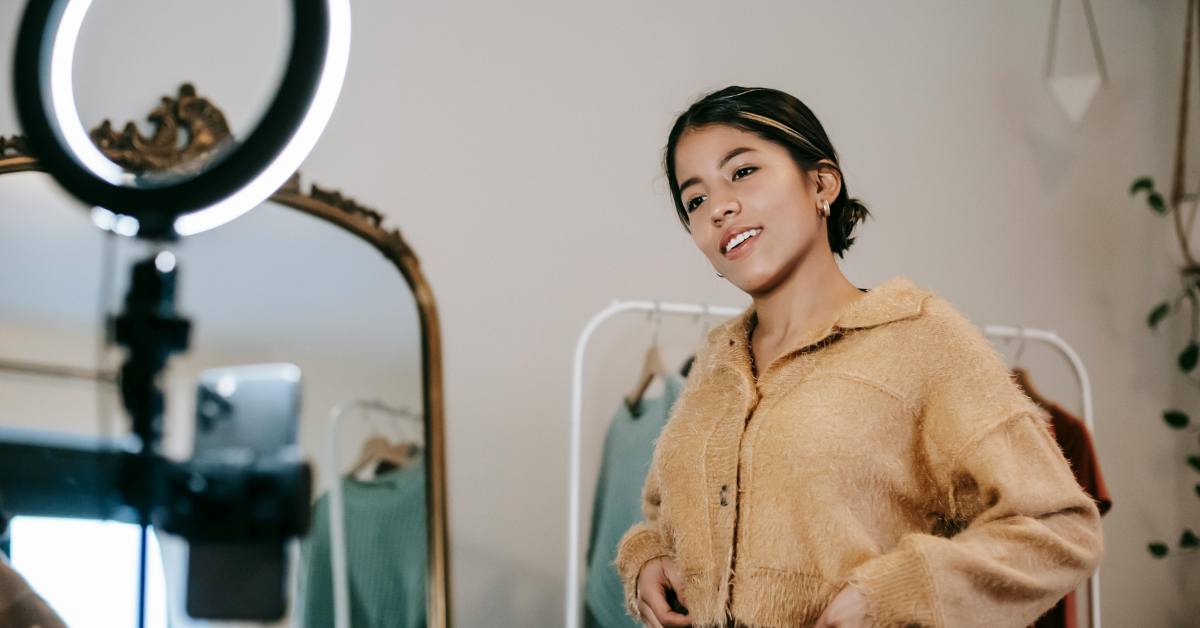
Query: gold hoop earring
{"type": "Point", "coordinates": [720, 275]}
{"type": "Point", "coordinates": [825, 209]}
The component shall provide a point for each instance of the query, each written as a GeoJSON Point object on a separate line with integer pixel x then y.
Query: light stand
{"type": "Point", "coordinates": [257, 504]}
{"type": "Point", "coordinates": [152, 331]}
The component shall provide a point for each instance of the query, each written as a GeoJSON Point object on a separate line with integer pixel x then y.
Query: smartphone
{"type": "Point", "coordinates": [247, 412]}
{"type": "Point", "coordinates": [244, 414]}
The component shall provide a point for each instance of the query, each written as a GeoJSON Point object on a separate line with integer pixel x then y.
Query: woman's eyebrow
{"type": "Point", "coordinates": [721, 164]}
{"type": "Point", "coordinates": [731, 154]}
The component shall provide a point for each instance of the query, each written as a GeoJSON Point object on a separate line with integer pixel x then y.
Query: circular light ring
{"type": "Point", "coordinates": [235, 184]}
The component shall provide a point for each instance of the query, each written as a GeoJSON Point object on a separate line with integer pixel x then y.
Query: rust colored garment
{"type": "Point", "coordinates": [1073, 437]}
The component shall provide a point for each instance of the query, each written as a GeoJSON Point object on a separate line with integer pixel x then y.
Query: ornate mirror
{"type": "Point", "coordinates": [311, 279]}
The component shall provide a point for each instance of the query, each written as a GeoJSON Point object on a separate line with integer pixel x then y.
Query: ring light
{"type": "Point", "coordinates": [238, 180]}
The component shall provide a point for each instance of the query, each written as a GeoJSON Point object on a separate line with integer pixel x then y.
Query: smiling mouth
{"type": "Point", "coordinates": [740, 239]}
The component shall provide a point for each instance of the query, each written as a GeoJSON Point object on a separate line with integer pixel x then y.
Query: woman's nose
{"type": "Point", "coordinates": [723, 208]}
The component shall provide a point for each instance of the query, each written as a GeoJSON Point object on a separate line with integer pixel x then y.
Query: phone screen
{"type": "Point", "coordinates": [243, 413]}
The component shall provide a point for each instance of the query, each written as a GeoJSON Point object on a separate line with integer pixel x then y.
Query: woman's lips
{"type": "Point", "coordinates": [741, 244]}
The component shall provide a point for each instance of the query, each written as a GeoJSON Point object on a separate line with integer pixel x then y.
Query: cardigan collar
{"type": "Point", "coordinates": [894, 300]}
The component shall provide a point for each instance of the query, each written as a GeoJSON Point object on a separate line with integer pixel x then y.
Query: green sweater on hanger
{"type": "Point", "coordinates": [385, 553]}
{"type": "Point", "coordinates": [628, 449]}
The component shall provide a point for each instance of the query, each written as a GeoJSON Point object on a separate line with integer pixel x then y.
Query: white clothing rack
{"type": "Point", "coordinates": [1085, 396]}
{"type": "Point", "coordinates": [575, 551]}
{"type": "Point", "coordinates": [1051, 338]}
{"type": "Point", "coordinates": [337, 508]}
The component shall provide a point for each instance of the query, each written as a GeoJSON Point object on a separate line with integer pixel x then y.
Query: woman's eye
{"type": "Point", "coordinates": [741, 172]}
{"type": "Point", "coordinates": [694, 203]}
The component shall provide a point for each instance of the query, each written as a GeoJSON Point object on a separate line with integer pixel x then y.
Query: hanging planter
{"type": "Point", "coordinates": [1074, 90]}
{"type": "Point", "coordinates": [1180, 205]}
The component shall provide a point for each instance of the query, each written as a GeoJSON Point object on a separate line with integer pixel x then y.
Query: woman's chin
{"type": "Point", "coordinates": [755, 282]}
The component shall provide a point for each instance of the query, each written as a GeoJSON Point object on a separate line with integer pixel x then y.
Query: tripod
{"type": "Point", "coordinates": [152, 331]}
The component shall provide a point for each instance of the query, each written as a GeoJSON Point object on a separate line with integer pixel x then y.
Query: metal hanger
{"type": "Point", "coordinates": [1022, 379]}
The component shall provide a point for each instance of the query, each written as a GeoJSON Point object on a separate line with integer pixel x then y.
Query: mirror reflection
{"type": "Point", "coordinates": [305, 340]}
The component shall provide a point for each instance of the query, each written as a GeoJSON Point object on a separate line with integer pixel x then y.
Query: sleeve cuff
{"type": "Point", "coordinates": [640, 545]}
{"type": "Point", "coordinates": [898, 589]}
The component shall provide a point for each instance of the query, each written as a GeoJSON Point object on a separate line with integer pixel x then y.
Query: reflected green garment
{"type": "Point", "coordinates": [385, 553]}
{"type": "Point", "coordinates": [628, 449]}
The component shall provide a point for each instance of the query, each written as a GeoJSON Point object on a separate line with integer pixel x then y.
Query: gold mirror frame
{"type": "Point", "coordinates": [205, 127]}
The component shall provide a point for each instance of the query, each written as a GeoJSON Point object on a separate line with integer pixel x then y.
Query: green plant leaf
{"type": "Point", "coordinates": [1189, 540]}
{"type": "Point", "coordinates": [1158, 550]}
{"type": "Point", "coordinates": [1189, 356]}
{"type": "Point", "coordinates": [1195, 462]}
{"type": "Point", "coordinates": [1141, 183]}
{"type": "Point", "coordinates": [1156, 202]}
{"type": "Point", "coordinates": [1159, 312]}
{"type": "Point", "coordinates": [1176, 419]}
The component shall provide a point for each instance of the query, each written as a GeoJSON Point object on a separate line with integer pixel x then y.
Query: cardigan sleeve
{"type": "Point", "coordinates": [1017, 532]}
{"type": "Point", "coordinates": [643, 542]}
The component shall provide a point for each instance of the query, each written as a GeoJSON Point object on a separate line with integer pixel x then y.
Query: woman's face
{"type": "Point", "coordinates": [754, 213]}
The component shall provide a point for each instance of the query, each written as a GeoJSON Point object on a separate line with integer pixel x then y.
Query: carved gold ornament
{"type": "Point", "coordinates": [203, 126]}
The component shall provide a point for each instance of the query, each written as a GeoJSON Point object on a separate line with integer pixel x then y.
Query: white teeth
{"type": "Point", "coordinates": [740, 238]}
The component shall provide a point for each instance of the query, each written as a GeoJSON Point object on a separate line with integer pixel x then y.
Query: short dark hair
{"type": "Point", "coordinates": [776, 117]}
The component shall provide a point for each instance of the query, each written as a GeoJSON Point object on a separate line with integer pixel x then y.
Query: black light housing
{"type": "Point", "coordinates": [236, 182]}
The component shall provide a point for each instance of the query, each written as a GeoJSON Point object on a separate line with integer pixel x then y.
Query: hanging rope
{"type": "Point", "coordinates": [1179, 175]}
{"type": "Point", "coordinates": [1093, 33]}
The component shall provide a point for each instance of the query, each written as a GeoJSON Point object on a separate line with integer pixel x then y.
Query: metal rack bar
{"type": "Point", "coordinates": [337, 507]}
{"type": "Point", "coordinates": [1085, 394]}
{"type": "Point", "coordinates": [57, 371]}
{"type": "Point", "coordinates": [574, 550]}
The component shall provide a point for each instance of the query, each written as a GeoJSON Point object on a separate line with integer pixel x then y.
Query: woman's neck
{"type": "Point", "coordinates": [810, 298]}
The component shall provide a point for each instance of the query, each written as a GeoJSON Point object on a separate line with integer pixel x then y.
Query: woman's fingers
{"type": "Point", "coordinates": [675, 581]}
{"type": "Point", "coordinates": [656, 599]}
{"type": "Point", "coordinates": [648, 617]}
{"type": "Point", "coordinates": [675, 620]}
{"type": "Point", "coordinates": [655, 579]}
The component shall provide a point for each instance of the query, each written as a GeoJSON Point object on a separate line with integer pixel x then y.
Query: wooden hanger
{"type": "Point", "coordinates": [653, 366]}
{"type": "Point", "coordinates": [378, 449]}
{"type": "Point", "coordinates": [686, 369]}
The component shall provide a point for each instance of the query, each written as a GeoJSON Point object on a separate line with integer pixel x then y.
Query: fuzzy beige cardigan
{"type": "Point", "coordinates": [891, 451]}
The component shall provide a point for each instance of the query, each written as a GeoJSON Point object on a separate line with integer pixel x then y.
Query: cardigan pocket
{"type": "Point", "coordinates": [803, 476]}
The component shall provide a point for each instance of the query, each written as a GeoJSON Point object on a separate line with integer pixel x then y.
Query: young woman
{"type": "Point", "coordinates": [840, 458]}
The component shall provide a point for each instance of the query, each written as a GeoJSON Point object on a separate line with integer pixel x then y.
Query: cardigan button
{"type": "Point", "coordinates": [724, 493]}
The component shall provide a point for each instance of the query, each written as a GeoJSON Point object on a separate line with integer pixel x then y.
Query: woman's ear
{"type": "Point", "coordinates": [828, 179]}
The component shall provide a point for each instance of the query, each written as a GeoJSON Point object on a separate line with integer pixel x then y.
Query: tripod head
{"type": "Point", "coordinates": [152, 331]}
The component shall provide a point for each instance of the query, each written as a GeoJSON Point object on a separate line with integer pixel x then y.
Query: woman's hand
{"type": "Point", "coordinates": [847, 610]}
{"type": "Point", "coordinates": [656, 578]}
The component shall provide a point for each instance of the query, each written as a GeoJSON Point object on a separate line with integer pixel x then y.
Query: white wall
{"type": "Point", "coordinates": [517, 145]}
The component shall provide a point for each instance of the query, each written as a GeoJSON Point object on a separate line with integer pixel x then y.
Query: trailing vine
{"type": "Point", "coordinates": [1182, 206]}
